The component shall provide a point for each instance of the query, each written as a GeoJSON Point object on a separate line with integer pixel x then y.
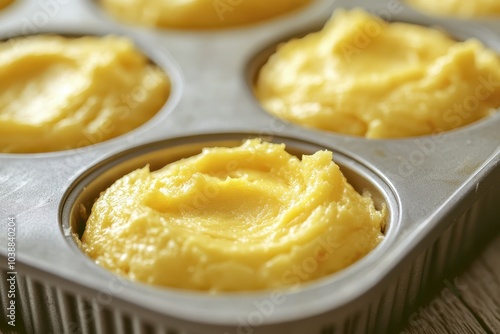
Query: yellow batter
{"type": "Point", "coordinates": [233, 219]}
{"type": "Point", "coordinates": [463, 8]}
{"type": "Point", "coordinates": [198, 14]}
{"type": "Point", "coordinates": [5, 3]}
{"type": "Point", "coordinates": [365, 77]}
{"type": "Point", "coordinates": [59, 93]}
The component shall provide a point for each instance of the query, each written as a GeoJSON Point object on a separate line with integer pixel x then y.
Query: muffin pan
{"type": "Point", "coordinates": [441, 191]}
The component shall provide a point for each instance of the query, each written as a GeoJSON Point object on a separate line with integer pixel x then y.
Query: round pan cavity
{"type": "Point", "coordinates": [86, 189]}
{"type": "Point", "coordinates": [219, 14]}
{"type": "Point", "coordinates": [126, 101]}
{"type": "Point", "coordinates": [456, 30]}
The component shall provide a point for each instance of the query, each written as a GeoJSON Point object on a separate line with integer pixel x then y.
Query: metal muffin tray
{"type": "Point", "coordinates": [442, 191]}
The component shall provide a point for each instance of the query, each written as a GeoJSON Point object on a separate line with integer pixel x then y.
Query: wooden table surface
{"type": "Point", "coordinates": [467, 303]}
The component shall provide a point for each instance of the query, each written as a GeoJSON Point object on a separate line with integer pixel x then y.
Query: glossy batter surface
{"type": "Point", "coordinates": [463, 8]}
{"type": "Point", "coordinates": [60, 93]}
{"type": "Point", "coordinates": [233, 219]}
{"type": "Point", "coordinates": [362, 76]}
{"type": "Point", "coordinates": [198, 14]}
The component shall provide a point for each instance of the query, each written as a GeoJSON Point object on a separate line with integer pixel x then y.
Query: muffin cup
{"type": "Point", "coordinates": [161, 58]}
{"type": "Point", "coordinates": [87, 188]}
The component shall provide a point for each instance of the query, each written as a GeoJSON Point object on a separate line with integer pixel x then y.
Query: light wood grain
{"type": "Point", "coordinates": [469, 303]}
{"type": "Point", "coordinates": [482, 282]}
{"type": "Point", "coordinates": [444, 314]}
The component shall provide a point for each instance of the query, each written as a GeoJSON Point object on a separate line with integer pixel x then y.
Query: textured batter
{"type": "Point", "coordinates": [59, 93]}
{"type": "Point", "coordinates": [463, 8]}
{"type": "Point", "coordinates": [365, 77]}
{"type": "Point", "coordinates": [198, 14]}
{"type": "Point", "coordinates": [233, 219]}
